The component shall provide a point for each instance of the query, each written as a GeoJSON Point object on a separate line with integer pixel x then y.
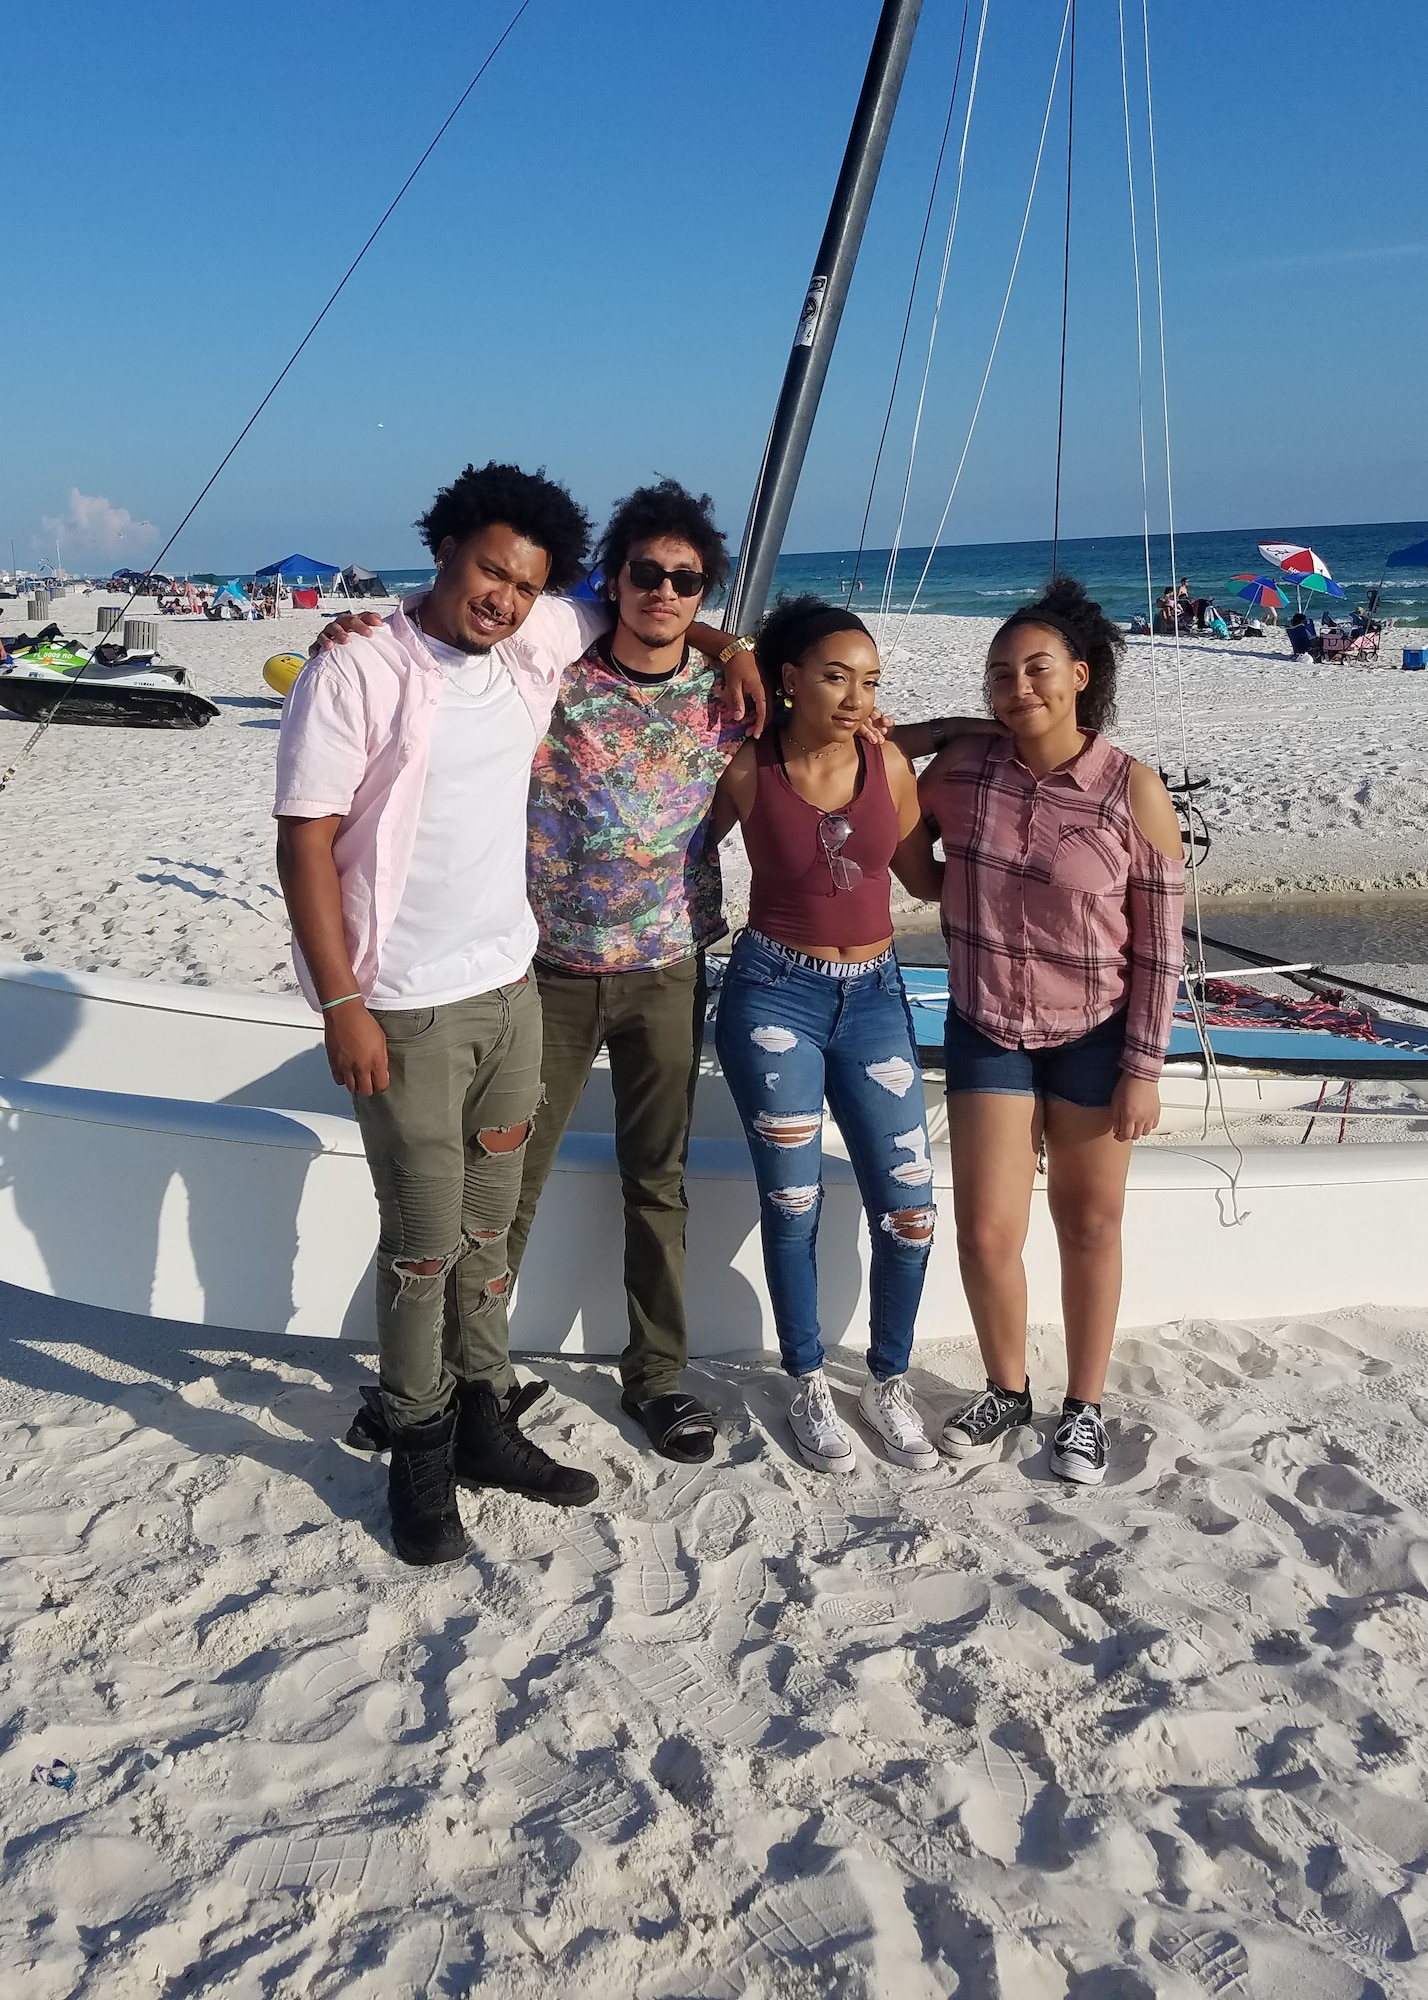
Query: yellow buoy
{"type": "Point", "coordinates": [282, 670]}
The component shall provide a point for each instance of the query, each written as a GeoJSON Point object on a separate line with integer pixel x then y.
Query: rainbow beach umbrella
{"type": "Point", "coordinates": [1318, 582]}
{"type": "Point", "coordinates": [1261, 590]}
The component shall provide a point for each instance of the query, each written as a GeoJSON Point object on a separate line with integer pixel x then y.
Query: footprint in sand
{"type": "Point", "coordinates": [334, 1863]}
{"type": "Point", "coordinates": [394, 1713]}
{"type": "Point", "coordinates": [1214, 1958]}
{"type": "Point", "coordinates": [656, 1577]}
{"type": "Point", "coordinates": [684, 1696]}
{"type": "Point", "coordinates": [806, 1923]}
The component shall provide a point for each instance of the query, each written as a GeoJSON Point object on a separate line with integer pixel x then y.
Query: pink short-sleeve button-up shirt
{"type": "Point", "coordinates": [355, 738]}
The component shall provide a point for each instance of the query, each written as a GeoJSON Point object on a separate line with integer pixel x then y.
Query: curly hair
{"type": "Point", "coordinates": [527, 502]}
{"type": "Point", "coordinates": [1064, 608]}
{"type": "Point", "coordinates": [787, 632]}
{"type": "Point", "coordinates": [666, 508]}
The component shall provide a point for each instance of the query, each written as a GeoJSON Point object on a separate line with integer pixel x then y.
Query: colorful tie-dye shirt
{"type": "Point", "coordinates": [622, 872]}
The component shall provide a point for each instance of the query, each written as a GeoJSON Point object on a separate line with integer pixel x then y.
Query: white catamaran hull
{"type": "Point", "coordinates": [182, 1152]}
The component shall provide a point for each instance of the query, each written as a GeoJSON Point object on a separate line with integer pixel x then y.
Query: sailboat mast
{"type": "Point", "coordinates": [822, 310]}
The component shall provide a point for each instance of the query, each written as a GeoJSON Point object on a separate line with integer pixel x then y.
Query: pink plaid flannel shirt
{"type": "Point", "coordinates": [1056, 908]}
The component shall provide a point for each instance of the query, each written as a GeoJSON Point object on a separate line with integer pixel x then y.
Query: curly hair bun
{"type": "Point", "coordinates": [1065, 607]}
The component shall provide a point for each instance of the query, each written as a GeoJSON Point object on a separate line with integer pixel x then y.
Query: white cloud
{"type": "Point", "coordinates": [91, 526]}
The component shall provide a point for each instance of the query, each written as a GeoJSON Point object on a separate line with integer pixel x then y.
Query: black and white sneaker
{"type": "Point", "coordinates": [1080, 1450]}
{"type": "Point", "coordinates": [973, 1435]}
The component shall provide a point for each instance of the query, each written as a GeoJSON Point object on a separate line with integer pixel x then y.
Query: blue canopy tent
{"type": "Point", "coordinates": [297, 569]}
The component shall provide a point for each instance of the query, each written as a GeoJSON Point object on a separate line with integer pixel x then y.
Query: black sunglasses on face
{"type": "Point", "coordinates": [646, 575]}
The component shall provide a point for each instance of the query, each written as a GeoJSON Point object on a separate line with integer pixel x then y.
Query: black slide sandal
{"type": "Point", "coordinates": [678, 1426]}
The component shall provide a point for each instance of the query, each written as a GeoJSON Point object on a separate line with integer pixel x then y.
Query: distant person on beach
{"type": "Point", "coordinates": [403, 773]}
{"type": "Point", "coordinates": [1062, 901]}
{"type": "Point", "coordinates": [812, 1004]}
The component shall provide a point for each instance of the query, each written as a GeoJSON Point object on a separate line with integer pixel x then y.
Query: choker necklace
{"type": "Point", "coordinates": [812, 755]}
{"type": "Point", "coordinates": [650, 691]}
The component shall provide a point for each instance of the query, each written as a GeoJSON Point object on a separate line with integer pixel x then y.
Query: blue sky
{"type": "Point", "coordinates": [601, 267]}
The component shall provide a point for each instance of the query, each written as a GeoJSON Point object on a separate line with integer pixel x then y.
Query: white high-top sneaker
{"type": "Point", "coordinates": [818, 1430]}
{"type": "Point", "coordinates": [888, 1408]}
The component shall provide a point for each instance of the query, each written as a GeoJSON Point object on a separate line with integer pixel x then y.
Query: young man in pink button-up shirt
{"type": "Point", "coordinates": [403, 771]}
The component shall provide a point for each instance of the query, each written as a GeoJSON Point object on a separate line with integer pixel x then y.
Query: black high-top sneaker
{"type": "Point", "coordinates": [974, 1434]}
{"type": "Point", "coordinates": [421, 1486]}
{"type": "Point", "coordinates": [492, 1450]}
{"type": "Point", "coordinates": [1080, 1449]}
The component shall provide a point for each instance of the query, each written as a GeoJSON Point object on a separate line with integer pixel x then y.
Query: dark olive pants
{"type": "Point", "coordinates": [652, 1023]}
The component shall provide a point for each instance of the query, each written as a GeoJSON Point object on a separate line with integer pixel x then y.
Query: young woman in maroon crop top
{"type": "Point", "coordinates": [812, 1005]}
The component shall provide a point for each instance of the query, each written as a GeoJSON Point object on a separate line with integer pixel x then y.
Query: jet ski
{"type": "Point", "coordinates": [49, 675]}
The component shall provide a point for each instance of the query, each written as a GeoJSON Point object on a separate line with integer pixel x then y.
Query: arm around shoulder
{"type": "Point", "coordinates": [734, 794]}
{"type": "Point", "coordinates": [1153, 811]}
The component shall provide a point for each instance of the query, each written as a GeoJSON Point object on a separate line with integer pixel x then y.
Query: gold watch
{"type": "Point", "coordinates": [741, 643]}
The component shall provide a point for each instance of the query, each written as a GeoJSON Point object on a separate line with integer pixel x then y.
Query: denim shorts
{"type": "Point", "coordinates": [1083, 1072]}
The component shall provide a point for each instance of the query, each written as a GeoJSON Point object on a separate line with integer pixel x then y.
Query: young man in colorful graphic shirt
{"type": "Point", "coordinates": [624, 881]}
{"type": "Point", "coordinates": [403, 774]}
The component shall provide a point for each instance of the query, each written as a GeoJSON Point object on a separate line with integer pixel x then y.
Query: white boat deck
{"type": "Point", "coordinates": [182, 1151]}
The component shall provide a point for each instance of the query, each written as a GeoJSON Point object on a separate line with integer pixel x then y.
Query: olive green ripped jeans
{"type": "Point", "coordinates": [446, 1142]}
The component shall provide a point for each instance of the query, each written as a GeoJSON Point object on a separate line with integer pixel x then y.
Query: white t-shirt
{"type": "Point", "coordinates": [464, 925]}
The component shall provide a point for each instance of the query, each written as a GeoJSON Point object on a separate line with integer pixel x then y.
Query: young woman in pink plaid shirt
{"type": "Point", "coordinates": [1062, 901]}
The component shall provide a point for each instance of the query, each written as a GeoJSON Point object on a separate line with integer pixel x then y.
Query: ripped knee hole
{"type": "Point", "coordinates": [910, 1225]}
{"type": "Point", "coordinates": [408, 1268]}
{"type": "Point", "coordinates": [796, 1200]}
{"type": "Point", "coordinates": [504, 1138]}
{"type": "Point", "coordinates": [789, 1128]}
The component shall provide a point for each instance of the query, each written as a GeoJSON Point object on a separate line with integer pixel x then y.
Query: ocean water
{"type": "Point", "coordinates": [988, 579]}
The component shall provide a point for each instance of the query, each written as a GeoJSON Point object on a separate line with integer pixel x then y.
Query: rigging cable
{"type": "Point", "coordinates": [885, 601]}
{"type": "Point", "coordinates": [996, 337]}
{"type": "Point", "coordinates": [1164, 377]}
{"type": "Point", "coordinates": [911, 296]}
{"type": "Point", "coordinates": [1140, 397]}
{"type": "Point", "coordinates": [1194, 975]}
{"type": "Point", "coordinates": [1065, 293]}
{"type": "Point", "coordinates": [49, 716]}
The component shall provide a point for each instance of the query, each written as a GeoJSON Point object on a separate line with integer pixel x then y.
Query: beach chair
{"type": "Point", "coordinates": [1304, 639]}
{"type": "Point", "coordinates": [1344, 644]}
{"type": "Point", "coordinates": [304, 600]}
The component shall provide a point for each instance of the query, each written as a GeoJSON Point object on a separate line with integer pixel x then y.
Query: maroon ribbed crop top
{"type": "Point", "coordinates": [794, 898]}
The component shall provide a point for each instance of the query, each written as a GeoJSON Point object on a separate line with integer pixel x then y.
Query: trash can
{"type": "Point", "coordinates": [109, 616]}
{"type": "Point", "coordinates": [37, 606]}
{"type": "Point", "coordinates": [141, 635]}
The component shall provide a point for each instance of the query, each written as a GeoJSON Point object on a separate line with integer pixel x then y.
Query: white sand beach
{"type": "Point", "coordinates": [737, 1730]}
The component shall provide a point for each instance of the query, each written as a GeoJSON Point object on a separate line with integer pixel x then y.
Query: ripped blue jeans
{"type": "Point", "coordinates": [788, 1036]}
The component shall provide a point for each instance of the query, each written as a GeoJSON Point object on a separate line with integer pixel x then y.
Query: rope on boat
{"type": "Point", "coordinates": [28, 745]}
{"type": "Point", "coordinates": [996, 339]}
{"type": "Point", "coordinates": [912, 296]}
{"type": "Point", "coordinates": [1065, 294]}
{"type": "Point", "coordinates": [1315, 978]}
{"type": "Point", "coordinates": [1196, 973]}
{"type": "Point", "coordinates": [885, 601]}
{"type": "Point", "coordinates": [1140, 393]}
